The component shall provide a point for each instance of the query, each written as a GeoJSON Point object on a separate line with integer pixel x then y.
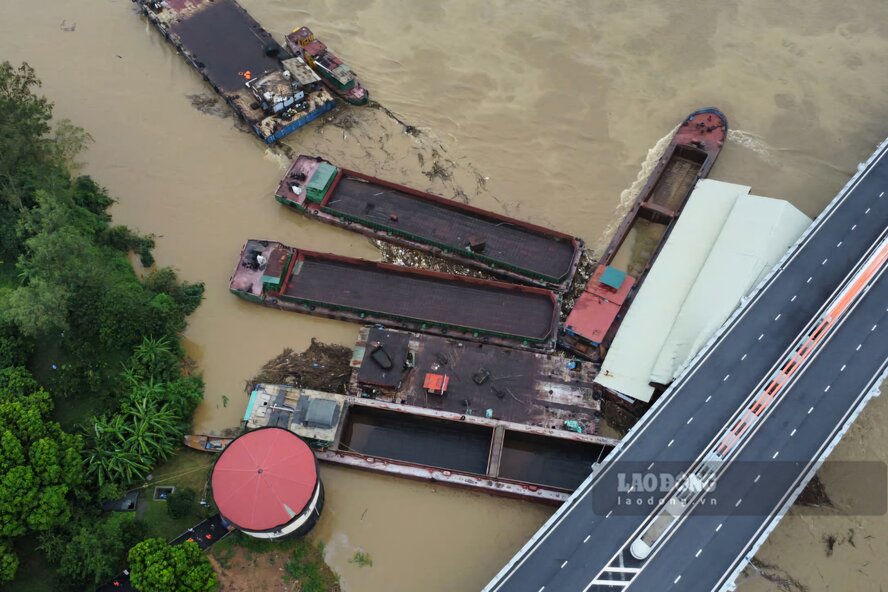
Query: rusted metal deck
{"type": "Point", "coordinates": [395, 213]}
{"type": "Point", "coordinates": [520, 387]}
{"type": "Point", "coordinates": [365, 291]}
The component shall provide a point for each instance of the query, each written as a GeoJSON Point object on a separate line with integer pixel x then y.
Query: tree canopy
{"type": "Point", "coordinates": [84, 340]}
{"type": "Point", "coordinates": [90, 550]}
{"type": "Point", "coordinates": [157, 566]}
{"type": "Point", "coordinates": [40, 464]}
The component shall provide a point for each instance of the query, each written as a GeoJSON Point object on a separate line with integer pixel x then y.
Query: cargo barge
{"type": "Point", "coordinates": [596, 316]}
{"type": "Point", "coordinates": [332, 70]}
{"type": "Point", "coordinates": [469, 451]}
{"type": "Point", "coordinates": [362, 291]}
{"type": "Point", "coordinates": [444, 374]}
{"type": "Point", "coordinates": [471, 236]}
{"type": "Point", "coordinates": [270, 89]}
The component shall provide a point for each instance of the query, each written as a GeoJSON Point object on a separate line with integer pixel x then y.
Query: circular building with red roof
{"type": "Point", "coordinates": [266, 483]}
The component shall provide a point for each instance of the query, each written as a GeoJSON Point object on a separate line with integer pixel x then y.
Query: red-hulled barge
{"type": "Point", "coordinates": [595, 318]}
{"type": "Point", "coordinates": [388, 211]}
{"type": "Point", "coordinates": [362, 291]}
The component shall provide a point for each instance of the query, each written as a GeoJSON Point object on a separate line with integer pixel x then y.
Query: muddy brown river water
{"type": "Point", "coordinates": [545, 110]}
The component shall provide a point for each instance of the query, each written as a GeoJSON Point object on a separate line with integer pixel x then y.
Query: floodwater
{"type": "Point", "coordinates": [549, 110]}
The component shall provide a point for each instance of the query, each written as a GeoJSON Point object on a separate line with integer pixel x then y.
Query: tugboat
{"type": "Point", "coordinates": [333, 71]}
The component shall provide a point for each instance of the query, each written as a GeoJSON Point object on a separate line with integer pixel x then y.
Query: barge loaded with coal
{"type": "Point", "coordinates": [596, 316]}
{"type": "Point", "coordinates": [274, 91]}
{"type": "Point", "coordinates": [362, 291]}
{"type": "Point", "coordinates": [388, 211]}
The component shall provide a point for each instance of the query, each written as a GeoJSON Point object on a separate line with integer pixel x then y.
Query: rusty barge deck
{"type": "Point", "coordinates": [388, 211]}
{"type": "Point", "coordinates": [228, 48]}
{"type": "Point", "coordinates": [517, 387]}
{"type": "Point", "coordinates": [596, 316]}
{"type": "Point", "coordinates": [364, 291]}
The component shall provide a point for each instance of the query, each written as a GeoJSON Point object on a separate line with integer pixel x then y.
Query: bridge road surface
{"type": "Point", "coordinates": [589, 529]}
{"type": "Point", "coordinates": [709, 548]}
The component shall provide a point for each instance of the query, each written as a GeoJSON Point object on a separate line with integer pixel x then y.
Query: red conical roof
{"type": "Point", "coordinates": [264, 478]}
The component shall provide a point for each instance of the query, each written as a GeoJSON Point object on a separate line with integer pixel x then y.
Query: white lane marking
{"type": "Point", "coordinates": [834, 206]}
{"type": "Point", "coordinates": [650, 466]}
{"type": "Point", "coordinates": [778, 316]}
{"type": "Point", "coordinates": [881, 194]}
{"type": "Point", "coordinates": [760, 336]}
{"type": "Point", "coordinates": [842, 369]}
{"type": "Point", "coordinates": [775, 454]}
{"type": "Point", "coordinates": [859, 345]}
{"type": "Point", "coordinates": [826, 390]}
{"type": "Point", "coordinates": [809, 279]}
{"type": "Point", "coordinates": [689, 421]}
{"type": "Point", "coordinates": [718, 528]}
{"type": "Point", "coordinates": [867, 210]}
{"type": "Point", "coordinates": [541, 589]}
{"type": "Point", "coordinates": [792, 433]}
{"type": "Point", "coordinates": [609, 514]}
{"type": "Point", "coordinates": [853, 227]}
{"type": "Point", "coordinates": [670, 443]}
{"type": "Point", "coordinates": [810, 410]}
{"type": "Point", "coordinates": [698, 552]}
{"type": "Point", "coordinates": [623, 569]}
{"type": "Point", "coordinates": [743, 357]}
{"type": "Point", "coordinates": [676, 580]}
{"type": "Point", "coordinates": [739, 501]}
{"type": "Point", "coordinates": [707, 399]}
{"type": "Point", "coordinates": [727, 376]}
{"type": "Point", "coordinates": [549, 528]}
{"type": "Point", "coordinates": [874, 328]}
{"type": "Point", "coordinates": [563, 564]}
{"type": "Point", "coordinates": [838, 244]}
{"type": "Point", "coordinates": [824, 261]}
{"type": "Point", "coordinates": [793, 298]}
{"type": "Point", "coordinates": [588, 536]}
{"type": "Point", "coordinates": [757, 477]}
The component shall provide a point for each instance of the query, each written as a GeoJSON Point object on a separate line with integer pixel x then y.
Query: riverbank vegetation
{"type": "Point", "coordinates": [94, 391]}
{"type": "Point", "coordinates": [245, 563]}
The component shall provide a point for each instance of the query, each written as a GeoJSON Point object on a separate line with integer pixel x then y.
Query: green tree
{"type": "Point", "coordinates": [181, 503]}
{"type": "Point", "coordinates": [91, 550]}
{"type": "Point", "coordinates": [109, 459]}
{"type": "Point", "coordinates": [157, 566]}
{"type": "Point", "coordinates": [8, 562]}
{"type": "Point", "coordinates": [155, 360]}
{"type": "Point", "coordinates": [40, 464]}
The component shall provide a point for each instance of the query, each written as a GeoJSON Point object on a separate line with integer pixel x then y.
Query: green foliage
{"type": "Point", "coordinates": [306, 564]}
{"type": "Point", "coordinates": [362, 559]}
{"type": "Point", "coordinates": [14, 348]}
{"type": "Point", "coordinates": [8, 562]}
{"type": "Point", "coordinates": [70, 300]}
{"type": "Point", "coordinates": [16, 382]}
{"type": "Point", "coordinates": [92, 550]}
{"type": "Point", "coordinates": [182, 503]}
{"type": "Point", "coordinates": [40, 464]}
{"type": "Point", "coordinates": [157, 566]}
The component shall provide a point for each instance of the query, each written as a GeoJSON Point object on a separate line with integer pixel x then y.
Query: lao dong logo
{"type": "Point", "coordinates": [659, 483]}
